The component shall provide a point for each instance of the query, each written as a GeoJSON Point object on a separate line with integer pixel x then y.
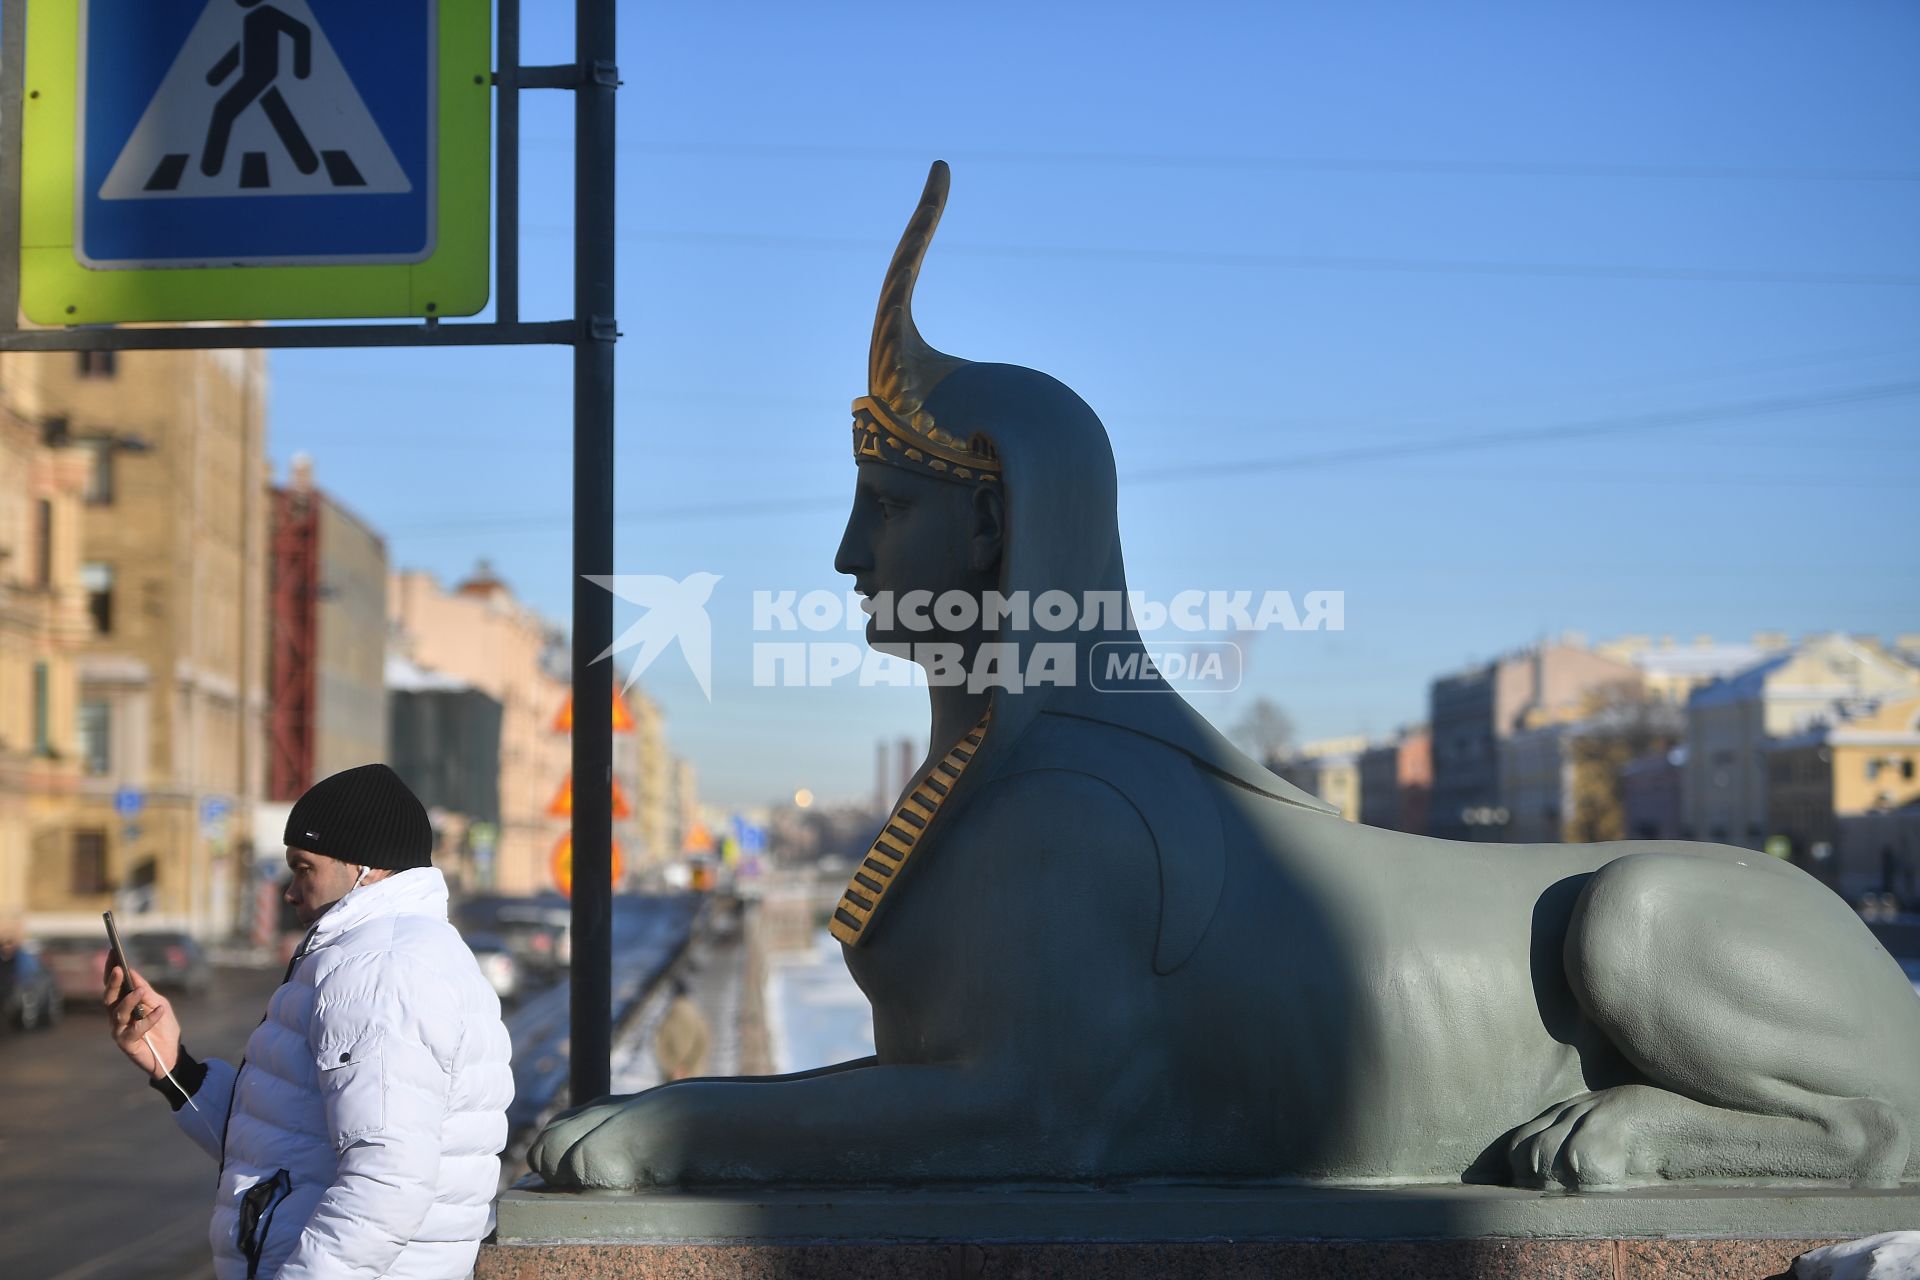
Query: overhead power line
{"type": "Point", "coordinates": [1301, 461]}
{"type": "Point", "coordinates": [1543, 435]}
{"type": "Point", "coordinates": [1283, 163]}
{"type": "Point", "coordinates": [1283, 261]}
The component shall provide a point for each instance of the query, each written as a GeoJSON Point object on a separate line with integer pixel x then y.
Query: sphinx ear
{"type": "Point", "coordinates": [989, 528]}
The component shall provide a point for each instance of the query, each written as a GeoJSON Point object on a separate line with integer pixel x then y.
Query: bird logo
{"type": "Point", "coordinates": [673, 611]}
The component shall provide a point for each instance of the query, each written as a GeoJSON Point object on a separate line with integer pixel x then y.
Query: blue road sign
{"type": "Point", "coordinates": [214, 808]}
{"type": "Point", "coordinates": [752, 838]}
{"type": "Point", "coordinates": [127, 802]}
{"type": "Point", "coordinates": [219, 133]}
{"type": "Point", "coordinates": [255, 159]}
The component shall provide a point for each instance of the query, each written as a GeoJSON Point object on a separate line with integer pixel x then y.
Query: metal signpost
{"type": "Point", "coordinates": [156, 165]}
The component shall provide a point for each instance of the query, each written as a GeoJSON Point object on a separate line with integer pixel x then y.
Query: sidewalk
{"type": "Point", "coordinates": [712, 967]}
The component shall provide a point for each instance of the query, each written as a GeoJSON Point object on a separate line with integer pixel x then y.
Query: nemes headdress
{"type": "Point", "coordinates": [891, 423]}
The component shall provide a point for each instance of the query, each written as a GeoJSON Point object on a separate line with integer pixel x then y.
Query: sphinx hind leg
{"type": "Point", "coordinates": [1772, 1033]}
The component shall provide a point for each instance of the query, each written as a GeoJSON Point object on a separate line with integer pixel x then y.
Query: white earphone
{"type": "Point", "coordinates": [169, 1075]}
{"type": "Point", "coordinates": [204, 1122]}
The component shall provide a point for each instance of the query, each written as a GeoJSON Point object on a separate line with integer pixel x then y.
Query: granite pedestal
{"type": "Point", "coordinates": [1179, 1230]}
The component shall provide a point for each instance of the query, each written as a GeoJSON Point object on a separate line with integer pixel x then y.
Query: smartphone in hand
{"type": "Point", "coordinates": [117, 955]}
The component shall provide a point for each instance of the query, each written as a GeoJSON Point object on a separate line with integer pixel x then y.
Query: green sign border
{"type": "Point", "coordinates": [56, 289]}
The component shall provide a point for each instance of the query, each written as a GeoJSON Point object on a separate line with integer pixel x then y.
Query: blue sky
{"type": "Point", "coordinates": [1247, 235]}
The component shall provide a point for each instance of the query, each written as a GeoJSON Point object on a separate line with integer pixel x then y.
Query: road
{"type": "Point", "coordinates": [97, 1182]}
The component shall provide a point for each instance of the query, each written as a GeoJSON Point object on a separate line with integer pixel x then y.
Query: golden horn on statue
{"type": "Point", "coordinates": [891, 422]}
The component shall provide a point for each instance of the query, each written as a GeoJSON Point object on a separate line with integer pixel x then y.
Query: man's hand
{"type": "Point", "coordinates": [142, 1015]}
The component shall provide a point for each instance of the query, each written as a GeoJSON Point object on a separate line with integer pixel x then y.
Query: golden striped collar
{"type": "Point", "coordinates": [904, 833]}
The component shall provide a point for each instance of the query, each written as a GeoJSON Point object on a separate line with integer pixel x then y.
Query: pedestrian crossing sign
{"type": "Point", "coordinates": [255, 159]}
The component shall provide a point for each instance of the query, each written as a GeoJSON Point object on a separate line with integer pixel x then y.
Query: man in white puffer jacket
{"type": "Point", "coordinates": [361, 1134]}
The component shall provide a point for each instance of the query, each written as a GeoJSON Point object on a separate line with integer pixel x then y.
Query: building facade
{"type": "Point", "coordinates": [685, 816]}
{"type": "Point", "coordinates": [327, 637]}
{"type": "Point", "coordinates": [1879, 853]}
{"type": "Point", "coordinates": [1330, 769]}
{"type": "Point", "coordinates": [1651, 795]}
{"type": "Point", "coordinates": [1472, 712]}
{"type": "Point", "coordinates": [645, 770]}
{"type": "Point", "coordinates": [444, 742]}
{"type": "Point", "coordinates": [1563, 780]}
{"type": "Point", "coordinates": [1535, 770]}
{"type": "Point", "coordinates": [171, 673]}
{"type": "Point", "coordinates": [1865, 760]}
{"type": "Point", "coordinates": [1395, 778]}
{"type": "Point", "coordinates": [1733, 724]}
{"type": "Point", "coordinates": [480, 634]}
{"type": "Point", "coordinates": [43, 625]}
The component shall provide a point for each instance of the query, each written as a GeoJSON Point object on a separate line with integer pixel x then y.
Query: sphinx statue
{"type": "Point", "coordinates": [1102, 943]}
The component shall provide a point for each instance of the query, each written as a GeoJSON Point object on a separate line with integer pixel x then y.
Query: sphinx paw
{"type": "Point", "coordinates": [1581, 1144]}
{"type": "Point", "coordinates": [606, 1145]}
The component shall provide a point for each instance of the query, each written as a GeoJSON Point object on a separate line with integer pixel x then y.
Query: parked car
{"type": "Point", "coordinates": [78, 966]}
{"type": "Point", "coordinates": [171, 961]}
{"type": "Point", "coordinates": [497, 963]}
{"type": "Point", "coordinates": [538, 931]}
{"type": "Point", "coordinates": [28, 997]}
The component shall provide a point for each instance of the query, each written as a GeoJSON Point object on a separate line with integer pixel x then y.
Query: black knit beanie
{"type": "Point", "coordinates": [365, 816]}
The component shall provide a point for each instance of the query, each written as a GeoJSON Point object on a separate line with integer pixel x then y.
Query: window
{"type": "Point", "coordinates": [100, 476]}
{"type": "Point", "coordinates": [97, 577]}
{"type": "Point", "coordinates": [89, 863]}
{"type": "Point", "coordinates": [43, 547]}
{"type": "Point", "coordinates": [1873, 770]}
{"type": "Point", "coordinates": [42, 742]}
{"type": "Point", "coordinates": [96, 737]}
{"type": "Point", "coordinates": [1906, 769]}
{"type": "Point", "coordinates": [96, 364]}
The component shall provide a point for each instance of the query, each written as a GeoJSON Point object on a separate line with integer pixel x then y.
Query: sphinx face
{"type": "Point", "coordinates": [912, 539]}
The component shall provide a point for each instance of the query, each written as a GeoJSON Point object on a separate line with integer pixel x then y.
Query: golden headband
{"type": "Point", "coordinates": [878, 435]}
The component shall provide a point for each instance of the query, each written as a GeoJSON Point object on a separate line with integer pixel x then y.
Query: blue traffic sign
{"type": "Point", "coordinates": [127, 802]}
{"type": "Point", "coordinates": [752, 838]}
{"type": "Point", "coordinates": [214, 808]}
{"type": "Point", "coordinates": [222, 133]}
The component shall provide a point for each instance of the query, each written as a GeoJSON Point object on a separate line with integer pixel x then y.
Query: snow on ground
{"type": "Point", "coordinates": [816, 1016]}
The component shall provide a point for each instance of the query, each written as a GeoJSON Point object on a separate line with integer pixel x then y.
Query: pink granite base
{"type": "Point", "coordinates": [1272, 1260]}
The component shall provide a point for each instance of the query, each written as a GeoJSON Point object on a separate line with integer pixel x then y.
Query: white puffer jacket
{"type": "Point", "coordinates": [372, 1102]}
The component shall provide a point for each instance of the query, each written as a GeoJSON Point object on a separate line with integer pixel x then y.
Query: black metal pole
{"type": "Point", "coordinates": [506, 164]}
{"type": "Point", "coordinates": [593, 309]}
{"type": "Point", "coordinates": [13, 51]}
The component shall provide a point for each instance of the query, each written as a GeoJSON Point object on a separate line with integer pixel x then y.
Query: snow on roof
{"type": "Point", "coordinates": [407, 676]}
{"type": "Point", "coordinates": [1743, 686]}
{"type": "Point", "coordinates": [1700, 660]}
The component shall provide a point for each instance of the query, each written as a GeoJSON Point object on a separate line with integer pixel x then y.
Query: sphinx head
{"type": "Point", "coordinates": [972, 477]}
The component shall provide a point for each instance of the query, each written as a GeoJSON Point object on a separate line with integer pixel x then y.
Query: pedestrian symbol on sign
{"type": "Point", "coordinates": [257, 58]}
{"type": "Point", "coordinates": [297, 123]}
